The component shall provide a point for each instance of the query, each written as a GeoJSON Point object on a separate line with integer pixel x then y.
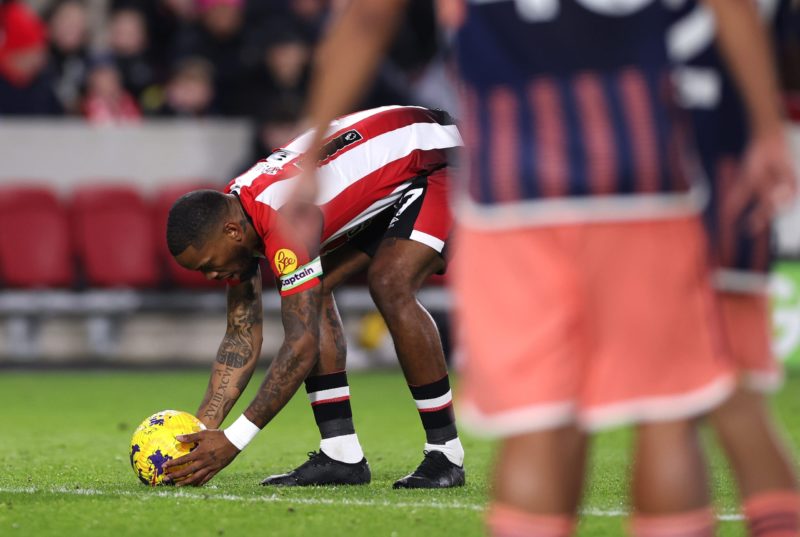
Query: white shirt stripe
{"type": "Point", "coordinates": [352, 166]}
{"type": "Point", "coordinates": [300, 144]}
{"type": "Point", "coordinates": [424, 404]}
{"type": "Point", "coordinates": [333, 393]}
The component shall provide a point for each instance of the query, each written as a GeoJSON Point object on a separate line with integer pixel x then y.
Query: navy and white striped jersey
{"type": "Point", "coordinates": [569, 112]}
{"type": "Point", "coordinates": [719, 121]}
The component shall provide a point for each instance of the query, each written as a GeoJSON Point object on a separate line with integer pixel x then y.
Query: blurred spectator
{"type": "Point", "coordinates": [190, 90]}
{"type": "Point", "coordinates": [788, 54]}
{"type": "Point", "coordinates": [287, 61]}
{"type": "Point", "coordinates": [416, 41]}
{"type": "Point", "coordinates": [69, 50]}
{"type": "Point", "coordinates": [128, 41]}
{"type": "Point", "coordinates": [281, 74]}
{"type": "Point", "coordinates": [25, 84]}
{"type": "Point", "coordinates": [311, 16]}
{"type": "Point", "coordinates": [276, 125]}
{"type": "Point", "coordinates": [218, 37]}
{"type": "Point", "coordinates": [106, 100]}
{"type": "Point", "coordinates": [164, 20]}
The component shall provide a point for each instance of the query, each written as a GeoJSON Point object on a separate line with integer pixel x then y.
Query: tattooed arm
{"type": "Point", "coordinates": [238, 352]}
{"type": "Point", "coordinates": [297, 356]}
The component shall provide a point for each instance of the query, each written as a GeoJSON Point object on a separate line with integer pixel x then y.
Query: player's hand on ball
{"type": "Point", "coordinates": [213, 453]}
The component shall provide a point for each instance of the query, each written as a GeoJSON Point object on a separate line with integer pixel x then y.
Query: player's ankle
{"type": "Point", "coordinates": [452, 449]}
{"type": "Point", "coordinates": [503, 519]}
{"type": "Point", "coordinates": [345, 448]}
{"type": "Point", "coordinates": [773, 513]}
{"type": "Point", "coordinates": [697, 523]}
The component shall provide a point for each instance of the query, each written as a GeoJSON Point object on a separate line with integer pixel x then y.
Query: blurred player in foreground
{"type": "Point", "coordinates": [382, 205]}
{"type": "Point", "coordinates": [581, 203]}
{"type": "Point", "coordinates": [742, 253]}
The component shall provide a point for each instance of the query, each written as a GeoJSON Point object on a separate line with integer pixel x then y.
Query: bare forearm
{"type": "Point", "coordinates": [744, 42]}
{"type": "Point", "coordinates": [287, 372]}
{"type": "Point", "coordinates": [224, 388]}
{"type": "Point", "coordinates": [296, 357]}
{"type": "Point", "coordinates": [237, 355]}
{"type": "Point", "coordinates": [348, 58]}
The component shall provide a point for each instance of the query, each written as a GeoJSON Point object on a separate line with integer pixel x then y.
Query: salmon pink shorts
{"type": "Point", "coordinates": [747, 330]}
{"type": "Point", "coordinates": [599, 324]}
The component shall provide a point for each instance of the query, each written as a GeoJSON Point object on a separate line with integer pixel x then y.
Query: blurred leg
{"type": "Point", "coordinates": [670, 494]}
{"type": "Point", "coordinates": [541, 472]}
{"type": "Point", "coordinates": [669, 474]}
{"type": "Point", "coordinates": [761, 464]}
{"type": "Point", "coordinates": [755, 450]}
{"type": "Point", "coordinates": [538, 479]}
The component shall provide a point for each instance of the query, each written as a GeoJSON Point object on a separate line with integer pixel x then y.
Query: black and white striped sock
{"type": "Point", "coordinates": [435, 405]}
{"type": "Point", "coordinates": [330, 401]}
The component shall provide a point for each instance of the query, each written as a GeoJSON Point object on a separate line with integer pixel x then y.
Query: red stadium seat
{"type": "Point", "coordinates": [34, 238]}
{"type": "Point", "coordinates": [163, 202]}
{"type": "Point", "coordinates": [113, 231]}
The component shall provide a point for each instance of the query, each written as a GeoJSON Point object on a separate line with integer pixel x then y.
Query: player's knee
{"type": "Point", "coordinates": [388, 289]}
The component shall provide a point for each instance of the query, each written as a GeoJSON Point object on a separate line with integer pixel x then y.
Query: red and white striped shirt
{"type": "Point", "coordinates": [370, 157]}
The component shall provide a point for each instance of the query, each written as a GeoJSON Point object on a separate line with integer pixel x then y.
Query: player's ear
{"type": "Point", "coordinates": [233, 231]}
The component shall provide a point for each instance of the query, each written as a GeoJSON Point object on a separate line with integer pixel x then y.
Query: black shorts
{"type": "Point", "coordinates": [422, 214]}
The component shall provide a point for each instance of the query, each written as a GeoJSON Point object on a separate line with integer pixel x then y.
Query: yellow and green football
{"type": "Point", "coordinates": [154, 443]}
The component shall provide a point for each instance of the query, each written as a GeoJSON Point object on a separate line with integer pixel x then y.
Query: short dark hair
{"type": "Point", "coordinates": [192, 218]}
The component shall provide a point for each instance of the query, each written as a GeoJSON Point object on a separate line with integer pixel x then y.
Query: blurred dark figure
{"type": "Point", "coordinates": [106, 101]}
{"type": "Point", "coordinates": [128, 41]}
{"type": "Point", "coordinates": [190, 90]}
{"type": "Point", "coordinates": [25, 83]}
{"type": "Point", "coordinates": [281, 74]}
{"type": "Point", "coordinates": [164, 20]}
{"type": "Point", "coordinates": [306, 17]}
{"type": "Point", "coordinates": [218, 37]}
{"type": "Point", "coordinates": [276, 123]}
{"type": "Point", "coordinates": [68, 30]}
{"type": "Point", "coordinates": [414, 46]}
{"type": "Point", "coordinates": [788, 54]}
{"type": "Point", "coordinates": [311, 16]}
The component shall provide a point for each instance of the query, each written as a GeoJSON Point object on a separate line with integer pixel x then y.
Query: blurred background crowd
{"type": "Point", "coordinates": [114, 108]}
{"type": "Point", "coordinates": [131, 103]}
{"type": "Point", "coordinates": [118, 61]}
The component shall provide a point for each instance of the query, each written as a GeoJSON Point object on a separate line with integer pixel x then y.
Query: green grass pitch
{"type": "Point", "coordinates": [64, 466]}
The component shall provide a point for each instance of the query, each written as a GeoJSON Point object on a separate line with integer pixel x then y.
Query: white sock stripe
{"type": "Point", "coordinates": [333, 393]}
{"type": "Point", "coordinates": [428, 240]}
{"type": "Point", "coordinates": [425, 404]}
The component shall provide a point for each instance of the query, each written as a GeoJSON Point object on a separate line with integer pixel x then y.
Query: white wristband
{"type": "Point", "coordinates": [241, 432]}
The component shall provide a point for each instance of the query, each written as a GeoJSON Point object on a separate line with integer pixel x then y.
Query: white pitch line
{"type": "Point", "coordinates": [182, 494]}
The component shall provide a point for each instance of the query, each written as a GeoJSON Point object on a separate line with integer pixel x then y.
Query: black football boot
{"type": "Point", "coordinates": [434, 472]}
{"type": "Point", "coordinates": [320, 469]}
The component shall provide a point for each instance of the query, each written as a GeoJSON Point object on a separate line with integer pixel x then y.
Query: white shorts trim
{"type": "Point", "coordinates": [763, 381]}
{"type": "Point", "coordinates": [574, 210]}
{"type": "Point", "coordinates": [741, 281]}
{"type": "Point", "coordinates": [428, 240]}
{"type": "Point", "coordinates": [654, 409]}
{"type": "Point", "coordinates": [514, 422]}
